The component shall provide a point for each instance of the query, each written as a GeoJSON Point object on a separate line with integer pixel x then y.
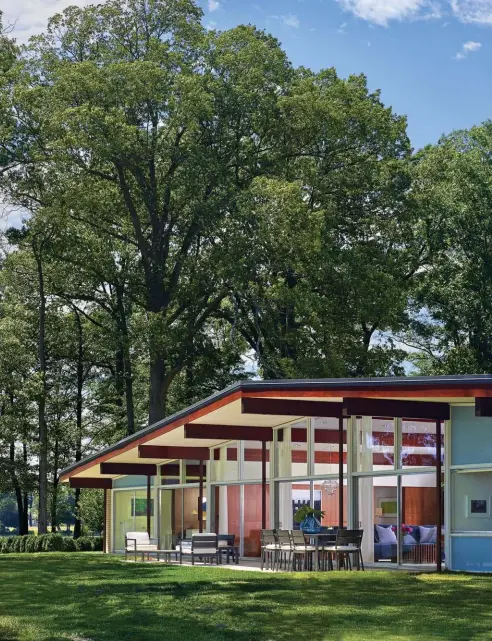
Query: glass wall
{"type": "Point", "coordinates": [326, 494]}
{"type": "Point", "coordinates": [252, 511]}
{"type": "Point", "coordinates": [130, 514]}
{"type": "Point", "coordinates": [392, 466]}
{"type": "Point", "coordinates": [326, 446]}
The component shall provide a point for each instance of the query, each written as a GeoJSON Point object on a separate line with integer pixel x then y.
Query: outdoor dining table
{"type": "Point", "coordinates": [315, 538]}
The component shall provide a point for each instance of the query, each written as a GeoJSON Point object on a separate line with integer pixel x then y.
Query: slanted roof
{"type": "Point", "coordinates": [224, 408]}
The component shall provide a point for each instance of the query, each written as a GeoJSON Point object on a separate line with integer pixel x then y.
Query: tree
{"type": "Point", "coordinates": [332, 243]}
{"type": "Point", "coordinates": [452, 311]}
{"type": "Point", "coordinates": [138, 105]}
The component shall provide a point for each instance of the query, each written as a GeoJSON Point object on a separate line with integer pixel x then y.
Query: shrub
{"type": "Point", "coordinates": [15, 543]}
{"type": "Point", "coordinates": [22, 542]}
{"type": "Point", "coordinates": [38, 543]}
{"type": "Point", "coordinates": [52, 543]}
{"type": "Point", "coordinates": [84, 544]}
{"type": "Point", "coordinates": [10, 543]}
{"type": "Point", "coordinates": [30, 543]}
{"type": "Point", "coordinates": [69, 544]}
{"type": "Point", "coordinates": [97, 543]}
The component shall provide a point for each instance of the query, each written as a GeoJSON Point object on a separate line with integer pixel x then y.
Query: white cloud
{"type": "Point", "coordinates": [31, 16]}
{"type": "Point", "coordinates": [467, 48]}
{"type": "Point", "coordinates": [291, 20]}
{"type": "Point", "coordinates": [478, 11]}
{"type": "Point", "coordinates": [341, 28]}
{"type": "Point", "coordinates": [213, 5]}
{"type": "Point", "coordinates": [384, 11]}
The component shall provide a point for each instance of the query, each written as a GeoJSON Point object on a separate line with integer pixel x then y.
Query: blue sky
{"type": "Point", "coordinates": [430, 58]}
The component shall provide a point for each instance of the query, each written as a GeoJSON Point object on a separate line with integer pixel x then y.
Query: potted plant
{"type": "Point", "coordinates": [308, 518]}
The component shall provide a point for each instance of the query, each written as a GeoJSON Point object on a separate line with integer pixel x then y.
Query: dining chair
{"type": "Point", "coordinates": [269, 549]}
{"type": "Point", "coordinates": [285, 549]}
{"type": "Point", "coordinates": [348, 544]}
{"type": "Point", "coordinates": [301, 551]}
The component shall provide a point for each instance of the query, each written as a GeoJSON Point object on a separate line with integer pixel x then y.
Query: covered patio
{"type": "Point", "coordinates": [370, 454]}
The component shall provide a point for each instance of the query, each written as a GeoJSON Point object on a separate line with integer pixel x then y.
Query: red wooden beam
{"type": "Point", "coordinates": [228, 432]}
{"type": "Point", "coordinates": [173, 452]}
{"type": "Point", "coordinates": [145, 469]}
{"type": "Point", "coordinates": [96, 484]}
{"type": "Point", "coordinates": [290, 407]}
{"type": "Point", "coordinates": [412, 410]}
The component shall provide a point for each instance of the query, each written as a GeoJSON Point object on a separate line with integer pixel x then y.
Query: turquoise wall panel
{"type": "Point", "coordinates": [131, 481]}
{"type": "Point", "coordinates": [471, 437]}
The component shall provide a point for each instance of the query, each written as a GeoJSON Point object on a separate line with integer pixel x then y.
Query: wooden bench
{"type": "Point", "coordinates": [139, 543]}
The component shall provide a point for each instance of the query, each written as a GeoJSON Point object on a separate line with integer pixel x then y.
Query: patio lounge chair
{"type": "Point", "coordinates": [139, 543]}
{"type": "Point", "coordinates": [203, 546]}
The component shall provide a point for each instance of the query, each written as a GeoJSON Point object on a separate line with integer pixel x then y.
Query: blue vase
{"type": "Point", "coordinates": [311, 525]}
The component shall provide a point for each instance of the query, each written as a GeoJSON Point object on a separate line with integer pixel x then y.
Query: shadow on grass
{"type": "Point", "coordinates": [100, 598]}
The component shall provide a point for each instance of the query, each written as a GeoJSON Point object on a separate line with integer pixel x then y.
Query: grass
{"type": "Point", "coordinates": [95, 597]}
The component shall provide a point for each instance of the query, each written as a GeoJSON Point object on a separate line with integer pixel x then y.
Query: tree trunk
{"type": "Point", "coordinates": [22, 527]}
{"type": "Point", "coordinates": [127, 363]}
{"type": "Point", "coordinates": [42, 426]}
{"type": "Point", "coordinates": [158, 388]}
{"type": "Point", "coordinates": [77, 529]}
{"type": "Point", "coordinates": [54, 495]}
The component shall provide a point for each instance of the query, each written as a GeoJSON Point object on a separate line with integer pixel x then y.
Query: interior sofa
{"type": "Point", "coordinates": [419, 543]}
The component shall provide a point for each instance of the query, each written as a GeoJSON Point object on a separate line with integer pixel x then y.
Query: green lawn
{"type": "Point", "coordinates": [92, 597]}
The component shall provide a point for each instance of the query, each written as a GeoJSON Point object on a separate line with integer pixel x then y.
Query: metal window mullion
{"type": "Point", "coordinates": [241, 520]}
{"type": "Point", "coordinates": [398, 440]}
{"type": "Point", "coordinates": [240, 460]}
{"type": "Point", "coordinates": [310, 447]}
{"type": "Point", "coordinates": [272, 468]}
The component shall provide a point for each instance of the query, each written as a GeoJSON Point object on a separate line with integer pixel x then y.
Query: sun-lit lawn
{"type": "Point", "coordinates": [92, 597]}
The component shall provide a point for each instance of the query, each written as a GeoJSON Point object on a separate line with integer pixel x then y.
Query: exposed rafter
{"type": "Point", "coordinates": [145, 469]}
{"type": "Point", "coordinates": [91, 483]}
{"type": "Point", "coordinates": [173, 452]}
{"type": "Point", "coordinates": [413, 410]}
{"type": "Point", "coordinates": [290, 407]}
{"type": "Point", "coordinates": [228, 432]}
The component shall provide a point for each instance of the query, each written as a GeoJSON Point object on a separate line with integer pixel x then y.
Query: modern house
{"type": "Point", "coordinates": [408, 460]}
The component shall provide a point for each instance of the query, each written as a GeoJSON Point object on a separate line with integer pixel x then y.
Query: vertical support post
{"type": "Point", "coordinates": [439, 496]}
{"type": "Point", "coordinates": [340, 473]}
{"type": "Point", "coordinates": [200, 499]}
{"type": "Point", "coordinates": [148, 504]}
{"type": "Point", "coordinates": [105, 525]}
{"type": "Point", "coordinates": [263, 484]}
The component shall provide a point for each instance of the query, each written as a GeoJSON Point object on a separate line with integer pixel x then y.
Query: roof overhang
{"type": "Point", "coordinates": [226, 408]}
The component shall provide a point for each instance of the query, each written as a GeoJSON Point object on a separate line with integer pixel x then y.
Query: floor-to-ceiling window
{"type": "Point", "coordinates": [130, 514]}
{"type": "Point", "coordinates": [398, 503]}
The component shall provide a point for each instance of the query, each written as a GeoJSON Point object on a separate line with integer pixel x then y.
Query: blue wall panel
{"type": "Point", "coordinates": [472, 553]}
{"type": "Point", "coordinates": [471, 437]}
